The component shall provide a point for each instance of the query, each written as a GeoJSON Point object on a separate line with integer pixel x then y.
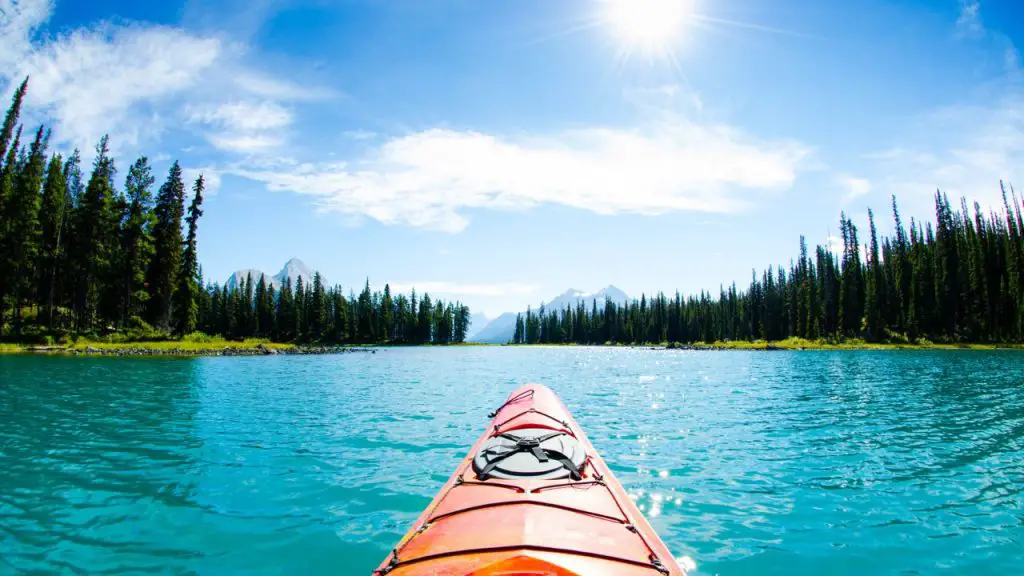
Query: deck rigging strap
{"type": "Point", "coordinates": [521, 396]}
{"type": "Point", "coordinates": [533, 446]}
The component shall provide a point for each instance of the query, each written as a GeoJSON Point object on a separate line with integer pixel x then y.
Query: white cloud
{"type": "Point", "coordinates": [243, 126]}
{"type": "Point", "coordinates": [855, 187]}
{"type": "Point", "coordinates": [89, 82]}
{"type": "Point", "coordinates": [969, 22]}
{"type": "Point", "coordinates": [428, 178]}
{"type": "Point", "coordinates": [18, 19]}
{"type": "Point", "coordinates": [244, 143]}
{"type": "Point", "coordinates": [275, 88]}
{"type": "Point", "coordinates": [211, 179]}
{"type": "Point", "coordinates": [242, 116]}
{"type": "Point", "coordinates": [962, 150]}
{"type": "Point", "coordinates": [131, 81]}
{"type": "Point", "coordinates": [457, 289]}
{"type": "Point", "coordinates": [969, 25]}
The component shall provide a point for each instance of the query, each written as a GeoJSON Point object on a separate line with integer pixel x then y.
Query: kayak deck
{"type": "Point", "coordinates": [532, 497]}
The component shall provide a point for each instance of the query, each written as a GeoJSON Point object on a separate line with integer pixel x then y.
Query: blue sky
{"type": "Point", "coordinates": [501, 151]}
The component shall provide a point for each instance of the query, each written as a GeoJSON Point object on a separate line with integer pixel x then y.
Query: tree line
{"type": "Point", "coordinates": [311, 312]}
{"type": "Point", "coordinates": [959, 280]}
{"type": "Point", "coordinates": [82, 256]}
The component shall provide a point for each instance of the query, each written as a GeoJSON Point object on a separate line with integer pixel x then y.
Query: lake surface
{"type": "Point", "coordinates": [749, 463]}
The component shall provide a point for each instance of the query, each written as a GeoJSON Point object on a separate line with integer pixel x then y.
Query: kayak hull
{"type": "Point", "coordinates": [481, 525]}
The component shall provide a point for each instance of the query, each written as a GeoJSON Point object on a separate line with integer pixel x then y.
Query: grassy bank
{"type": "Point", "coordinates": [188, 346]}
{"type": "Point", "coordinates": [803, 344]}
{"type": "Point", "coordinates": [856, 344]}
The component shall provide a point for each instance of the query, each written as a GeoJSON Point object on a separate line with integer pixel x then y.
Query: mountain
{"type": "Point", "coordinates": [236, 279]}
{"type": "Point", "coordinates": [503, 328]}
{"type": "Point", "coordinates": [296, 269]}
{"type": "Point", "coordinates": [477, 322]}
{"type": "Point", "coordinates": [293, 269]}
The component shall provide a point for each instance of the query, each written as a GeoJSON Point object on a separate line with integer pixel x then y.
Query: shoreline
{"type": "Point", "coordinates": [178, 349]}
{"type": "Point", "coordinates": [175, 348]}
{"type": "Point", "coordinates": [792, 344]}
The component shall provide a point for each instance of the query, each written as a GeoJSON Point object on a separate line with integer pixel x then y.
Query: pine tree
{"type": "Point", "coordinates": [56, 204]}
{"type": "Point", "coordinates": [20, 248]}
{"type": "Point", "coordinates": [387, 315]}
{"type": "Point", "coordinates": [8, 180]}
{"type": "Point", "coordinates": [874, 302]}
{"type": "Point", "coordinates": [425, 320]}
{"type": "Point", "coordinates": [11, 118]}
{"type": "Point", "coordinates": [186, 309]}
{"type": "Point", "coordinates": [262, 309]}
{"type": "Point", "coordinates": [164, 267]}
{"type": "Point", "coordinates": [318, 309]}
{"type": "Point", "coordinates": [299, 316]}
{"type": "Point", "coordinates": [137, 240]}
{"type": "Point", "coordinates": [341, 320]}
{"type": "Point", "coordinates": [286, 313]}
{"type": "Point", "coordinates": [95, 238]}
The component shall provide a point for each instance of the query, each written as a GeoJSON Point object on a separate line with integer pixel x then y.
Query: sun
{"type": "Point", "coordinates": [650, 25]}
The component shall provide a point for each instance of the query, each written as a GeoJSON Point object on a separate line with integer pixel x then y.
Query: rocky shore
{"type": "Point", "coordinates": [259, 350]}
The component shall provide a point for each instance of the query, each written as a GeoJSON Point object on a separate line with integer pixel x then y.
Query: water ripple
{"type": "Point", "coordinates": [748, 463]}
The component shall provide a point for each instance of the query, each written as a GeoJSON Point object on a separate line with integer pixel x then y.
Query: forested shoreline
{"type": "Point", "coordinates": [82, 257]}
{"type": "Point", "coordinates": [959, 281]}
{"type": "Point", "coordinates": [85, 258]}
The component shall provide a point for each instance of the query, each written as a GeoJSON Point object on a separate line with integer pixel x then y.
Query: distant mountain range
{"type": "Point", "coordinates": [482, 329]}
{"type": "Point", "coordinates": [503, 328]}
{"type": "Point", "coordinates": [477, 322]}
{"type": "Point", "coordinates": [293, 269]}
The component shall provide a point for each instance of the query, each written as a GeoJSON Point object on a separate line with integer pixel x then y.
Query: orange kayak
{"type": "Point", "coordinates": [532, 498]}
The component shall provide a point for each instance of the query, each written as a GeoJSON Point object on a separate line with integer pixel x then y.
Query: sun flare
{"type": "Point", "coordinates": [647, 24]}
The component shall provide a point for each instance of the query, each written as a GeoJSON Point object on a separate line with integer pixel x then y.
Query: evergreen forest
{"type": "Point", "coordinates": [81, 256]}
{"type": "Point", "coordinates": [959, 280]}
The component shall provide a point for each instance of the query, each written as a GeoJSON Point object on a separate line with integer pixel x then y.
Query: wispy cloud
{"type": "Point", "coordinates": [133, 80]}
{"type": "Point", "coordinates": [244, 143]}
{"type": "Point", "coordinates": [242, 116]}
{"type": "Point", "coordinates": [969, 25]}
{"type": "Point", "coordinates": [18, 19]}
{"type": "Point", "coordinates": [855, 187]}
{"type": "Point", "coordinates": [242, 126]}
{"type": "Point", "coordinates": [261, 85]}
{"type": "Point", "coordinates": [458, 289]}
{"type": "Point", "coordinates": [969, 22]}
{"type": "Point", "coordinates": [211, 179]}
{"type": "Point", "coordinates": [89, 82]}
{"type": "Point", "coordinates": [427, 179]}
{"type": "Point", "coordinates": [962, 150]}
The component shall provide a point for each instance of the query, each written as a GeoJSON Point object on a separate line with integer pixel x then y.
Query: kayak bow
{"type": "Point", "coordinates": [532, 498]}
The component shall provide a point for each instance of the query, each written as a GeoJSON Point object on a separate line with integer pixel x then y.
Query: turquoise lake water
{"type": "Point", "coordinates": [748, 463]}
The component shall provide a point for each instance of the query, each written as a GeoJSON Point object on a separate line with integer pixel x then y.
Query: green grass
{"type": "Point", "coordinates": [196, 343]}
{"type": "Point", "coordinates": [186, 344]}
{"type": "Point", "coordinates": [804, 344]}
{"type": "Point", "coordinates": [855, 344]}
{"type": "Point", "coordinates": [6, 348]}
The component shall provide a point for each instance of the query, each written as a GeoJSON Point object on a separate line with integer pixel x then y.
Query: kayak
{"type": "Point", "coordinates": [531, 498]}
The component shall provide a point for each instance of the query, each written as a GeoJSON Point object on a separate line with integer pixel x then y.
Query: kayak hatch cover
{"type": "Point", "coordinates": [532, 498]}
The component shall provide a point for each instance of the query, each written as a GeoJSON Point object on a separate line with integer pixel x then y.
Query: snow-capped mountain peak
{"type": "Point", "coordinates": [293, 269]}
{"type": "Point", "coordinates": [502, 328]}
